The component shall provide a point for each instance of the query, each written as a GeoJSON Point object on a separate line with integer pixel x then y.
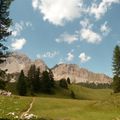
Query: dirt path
{"type": "Point", "coordinates": [28, 110]}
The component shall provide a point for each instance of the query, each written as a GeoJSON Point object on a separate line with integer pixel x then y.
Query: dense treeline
{"type": "Point", "coordinates": [96, 86]}
{"type": "Point", "coordinates": [35, 82]}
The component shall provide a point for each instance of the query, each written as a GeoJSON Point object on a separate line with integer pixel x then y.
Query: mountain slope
{"type": "Point", "coordinates": [78, 75]}
{"type": "Point", "coordinates": [18, 61]}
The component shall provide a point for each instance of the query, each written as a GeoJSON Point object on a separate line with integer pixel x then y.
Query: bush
{"type": "Point", "coordinates": [72, 95]}
{"type": "Point", "coordinates": [2, 84]}
{"type": "Point", "coordinates": [63, 83]}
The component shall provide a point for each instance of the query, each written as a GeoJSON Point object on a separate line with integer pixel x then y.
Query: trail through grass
{"type": "Point", "coordinates": [92, 104]}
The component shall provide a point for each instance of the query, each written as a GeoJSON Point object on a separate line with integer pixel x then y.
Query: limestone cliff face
{"type": "Point", "coordinates": [18, 61]}
{"type": "Point", "coordinates": [78, 75]}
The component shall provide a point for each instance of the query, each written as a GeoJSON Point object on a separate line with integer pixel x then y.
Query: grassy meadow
{"type": "Point", "coordinates": [91, 104]}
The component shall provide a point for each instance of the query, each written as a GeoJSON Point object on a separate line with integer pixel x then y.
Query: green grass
{"type": "Point", "coordinates": [90, 94]}
{"type": "Point", "coordinates": [14, 104]}
{"type": "Point", "coordinates": [67, 109]}
{"type": "Point", "coordinates": [92, 104]}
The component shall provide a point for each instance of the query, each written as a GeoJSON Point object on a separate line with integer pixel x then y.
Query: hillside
{"type": "Point", "coordinates": [92, 105]}
{"type": "Point", "coordinates": [77, 74]}
{"type": "Point", "coordinates": [19, 61]}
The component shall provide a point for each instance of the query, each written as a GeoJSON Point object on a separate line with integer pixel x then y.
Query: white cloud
{"type": "Point", "coordinates": [35, 4]}
{"type": "Point", "coordinates": [90, 36]}
{"type": "Point", "coordinates": [65, 37]}
{"type": "Point", "coordinates": [105, 29]}
{"type": "Point", "coordinates": [70, 57]}
{"type": "Point", "coordinates": [18, 44]}
{"type": "Point", "coordinates": [58, 12]}
{"type": "Point", "coordinates": [18, 28]}
{"type": "Point", "coordinates": [28, 24]}
{"type": "Point", "coordinates": [86, 23]}
{"type": "Point", "coordinates": [98, 10]}
{"type": "Point", "coordinates": [84, 58]}
{"type": "Point", "coordinates": [48, 54]}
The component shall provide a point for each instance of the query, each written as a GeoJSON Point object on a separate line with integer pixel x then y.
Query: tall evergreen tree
{"type": "Point", "coordinates": [21, 84]}
{"type": "Point", "coordinates": [116, 69]}
{"type": "Point", "coordinates": [31, 78]}
{"type": "Point", "coordinates": [51, 76]}
{"type": "Point", "coordinates": [5, 23]}
{"type": "Point", "coordinates": [116, 61]}
{"type": "Point", "coordinates": [47, 83]}
{"type": "Point", "coordinates": [68, 80]}
{"type": "Point", "coordinates": [36, 82]}
{"type": "Point", "coordinates": [2, 79]}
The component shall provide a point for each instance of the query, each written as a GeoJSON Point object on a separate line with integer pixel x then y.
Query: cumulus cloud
{"type": "Point", "coordinates": [18, 28]}
{"type": "Point", "coordinates": [58, 12]}
{"type": "Point", "coordinates": [70, 57]}
{"type": "Point", "coordinates": [18, 44]}
{"type": "Point", "coordinates": [48, 54]}
{"type": "Point", "coordinates": [65, 37]}
{"type": "Point", "coordinates": [90, 36]}
{"type": "Point", "coordinates": [84, 58]}
{"type": "Point", "coordinates": [98, 10]}
{"type": "Point", "coordinates": [86, 23]}
{"type": "Point", "coordinates": [105, 29]}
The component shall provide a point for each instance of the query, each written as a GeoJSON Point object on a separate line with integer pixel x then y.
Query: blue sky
{"type": "Point", "coordinates": [82, 32]}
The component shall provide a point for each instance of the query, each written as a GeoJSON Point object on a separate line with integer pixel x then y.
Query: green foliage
{"type": "Point", "coordinates": [47, 82]}
{"type": "Point", "coordinates": [116, 84]}
{"type": "Point", "coordinates": [116, 69]}
{"type": "Point", "coordinates": [68, 80]}
{"type": "Point", "coordinates": [2, 84]}
{"type": "Point", "coordinates": [116, 61]}
{"type": "Point", "coordinates": [2, 79]}
{"type": "Point", "coordinates": [72, 94]}
{"type": "Point", "coordinates": [21, 84]}
{"type": "Point", "coordinates": [5, 23]}
{"type": "Point", "coordinates": [38, 82]}
{"type": "Point", "coordinates": [96, 86]}
{"type": "Point", "coordinates": [32, 79]}
{"type": "Point", "coordinates": [63, 83]}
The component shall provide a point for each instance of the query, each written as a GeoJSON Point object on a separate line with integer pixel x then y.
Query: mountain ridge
{"type": "Point", "coordinates": [19, 61]}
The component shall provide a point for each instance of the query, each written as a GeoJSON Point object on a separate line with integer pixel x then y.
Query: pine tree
{"type": "Point", "coordinates": [116, 84]}
{"type": "Point", "coordinates": [68, 80]}
{"type": "Point", "coordinates": [21, 84]}
{"type": "Point", "coordinates": [116, 69]}
{"type": "Point", "coordinates": [2, 79]}
{"type": "Point", "coordinates": [36, 82]}
{"type": "Point", "coordinates": [47, 83]}
{"type": "Point", "coordinates": [5, 23]}
{"type": "Point", "coordinates": [116, 61]}
{"type": "Point", "coordinates": [31, 79]}
{"type": "Point", "coordinates": [51, 76]}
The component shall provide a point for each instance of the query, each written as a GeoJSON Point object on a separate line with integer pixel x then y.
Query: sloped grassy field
{"type": "Point", "coordinates": [93, 104]}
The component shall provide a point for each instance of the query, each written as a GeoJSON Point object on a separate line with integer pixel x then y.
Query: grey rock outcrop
{"type": "Point", "coordinates": [78, 75]}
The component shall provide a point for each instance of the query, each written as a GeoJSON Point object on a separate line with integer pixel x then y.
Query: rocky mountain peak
{"type": "Point", "coordinates": [77, 74]}
{"type": "Point", "coordinates": [18, 61]}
